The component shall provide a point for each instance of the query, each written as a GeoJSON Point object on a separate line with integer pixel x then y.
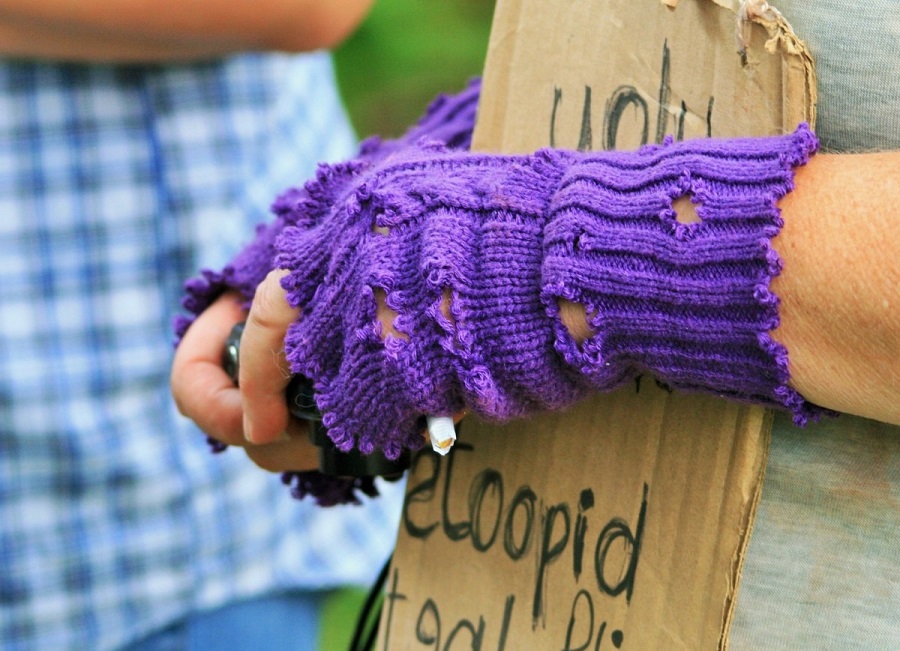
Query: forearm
{"type": "Point", "coordinates": [139, 30]}
{"type": "Point", "coordinates": [471, 297]}
{"type": "Point", "coordinates": [840, 288]}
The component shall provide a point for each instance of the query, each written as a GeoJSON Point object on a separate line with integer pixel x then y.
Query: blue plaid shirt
{"type": "Point", "coordinates": [116, 184]}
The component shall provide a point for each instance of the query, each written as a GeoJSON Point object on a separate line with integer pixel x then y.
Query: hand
{"type": "Point", "coordinates": [204, 393]}
{"type": "Point", "coordinates": [373, 259]}
{"type": "Point", "coordinates": [449, 119]}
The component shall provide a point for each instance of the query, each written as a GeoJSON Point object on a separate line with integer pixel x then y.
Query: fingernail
{"type": "Point", "coordinates": [248, 430]}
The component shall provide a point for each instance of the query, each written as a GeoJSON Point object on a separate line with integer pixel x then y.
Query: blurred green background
{"type": "Point", "coordinates": [401, 57]}
{"type": "Point", "coordinates": [404, 54]}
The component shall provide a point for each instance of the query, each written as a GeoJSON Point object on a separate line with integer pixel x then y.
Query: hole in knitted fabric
{"type": "Point", "coordinates": [381, 230]}
{"type": "Point", "coordinates": [685, 210]}
{"type": "Point", "coordinates": [574, 317]}
{"type": "Point", "coordinates": [446, 301]}
{"type": "Point", "coordinates": [386, 316]}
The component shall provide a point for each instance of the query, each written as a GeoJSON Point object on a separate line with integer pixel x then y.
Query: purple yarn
{"type": "Point", "coordinates": [327, 490]}
{"type": "Point", "coordinates": [510, 235]}
{"type": "Point", "coordinates": [688, 303]}
{"type": "Point", "coordinates": [449, 119]}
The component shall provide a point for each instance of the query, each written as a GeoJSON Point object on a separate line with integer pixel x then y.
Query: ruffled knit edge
{"type": "Point", "coordinates": [802, 410]}
{"type": "Point", "coordinates": [328, 490]}
{"type": "Point", "coordinates": [199, 294]}
{"type": "Point", "coordinates": [802, 145]}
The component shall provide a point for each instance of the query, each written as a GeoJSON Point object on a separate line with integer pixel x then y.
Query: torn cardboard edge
{"type": "Point", "coordinates": [758, 468]}
{"type": "Point", "coordinates": [772, 43]}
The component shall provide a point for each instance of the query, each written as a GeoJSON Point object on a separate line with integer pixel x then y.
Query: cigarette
{"type": "Point", "coordinates": [442, 433]}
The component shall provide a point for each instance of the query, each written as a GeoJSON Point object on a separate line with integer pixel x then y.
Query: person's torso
{"type": "Point", "coordinates": [822, 570]}
{"type": "Point", "coordinates": [116, 185]}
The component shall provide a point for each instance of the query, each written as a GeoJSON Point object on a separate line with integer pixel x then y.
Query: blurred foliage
{"type": "Point", "coordinates": [339, 615]}
{"type": "Point", "coordinates": [404, 54]}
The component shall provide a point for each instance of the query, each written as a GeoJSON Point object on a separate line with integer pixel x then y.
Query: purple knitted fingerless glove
{"type": "Point", "coordinates": [449, 119]}
{"type": "Point", "coordinates": [507, 237]}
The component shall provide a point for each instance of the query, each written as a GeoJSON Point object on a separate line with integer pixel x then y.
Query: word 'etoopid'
{"type": "Point", "coordinates": [523, 525]}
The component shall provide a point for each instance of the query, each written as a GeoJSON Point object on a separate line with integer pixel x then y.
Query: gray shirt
{"type": "Point", "coordinates": [823, 565]}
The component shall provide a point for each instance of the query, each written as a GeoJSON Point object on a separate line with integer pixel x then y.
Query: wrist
{"type": "Point", "coordinates": [840, 291]}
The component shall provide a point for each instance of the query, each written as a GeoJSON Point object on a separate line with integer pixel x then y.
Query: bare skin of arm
{"type": "Point", "coordinates": [840, 290]}
{"type": "Point", "coordinates": [840, 307]}
{"type": "Point", "coordinates": [130, 31]}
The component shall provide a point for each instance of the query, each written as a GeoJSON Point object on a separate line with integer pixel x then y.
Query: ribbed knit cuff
{"type": "Point", "coordinates": [689, 303]}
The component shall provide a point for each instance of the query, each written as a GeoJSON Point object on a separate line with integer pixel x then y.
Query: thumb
{"type": "Point", "coordinates": [264, 372]}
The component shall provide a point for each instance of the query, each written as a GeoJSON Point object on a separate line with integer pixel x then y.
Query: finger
{"type": "Point", "coordinates": [296, 454]}
{"type": "Point", "coordinates": [202, 390]}
{"type": "Point", "coordinates": [264, 373]}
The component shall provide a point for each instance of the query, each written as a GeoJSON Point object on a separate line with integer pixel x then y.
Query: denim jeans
{"type": "Point", "coordinates": [275, 623]}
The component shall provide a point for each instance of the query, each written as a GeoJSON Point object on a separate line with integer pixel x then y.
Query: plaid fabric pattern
{"type": "Point", "coordinates": [116, 184]}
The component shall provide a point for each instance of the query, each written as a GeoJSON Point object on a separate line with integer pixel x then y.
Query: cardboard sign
{"type": "Point", "coordinates": [621, 523]}
{"type": "Point", "coordinates": [615, 74]}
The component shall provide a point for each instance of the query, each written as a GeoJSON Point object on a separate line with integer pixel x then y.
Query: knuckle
{"type": "Point", "coordinates": [181, 397]}
{"type": "Point", "coordinates": [270, 305]}
{"type": "Point", "coordinates": [180, 405]}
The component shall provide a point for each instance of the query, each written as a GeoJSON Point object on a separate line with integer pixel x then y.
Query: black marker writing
{"type": "Point", "coordinates": [585, 502]}
{"type": "Point", "coordinates": [391, 596]}
{"type": "Point", "coordinates": [488, 481]}
{"type": "Point", "coordinates": [549, 552]}
{"type": "Point", "coordinates": [581, 626]}
{"type": "Point", "coordinates": [624, 98]}
{"type": "Point", "coordinates": [422, 492]}
{"type": "Point", "coordinates": [524, 498]}
{"type": "Point", "coordinates": [614, 530]}
{"type": "Point", "coordinates": [523, 526]}
{"type": "Point", "coordinates": [427, 635]}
